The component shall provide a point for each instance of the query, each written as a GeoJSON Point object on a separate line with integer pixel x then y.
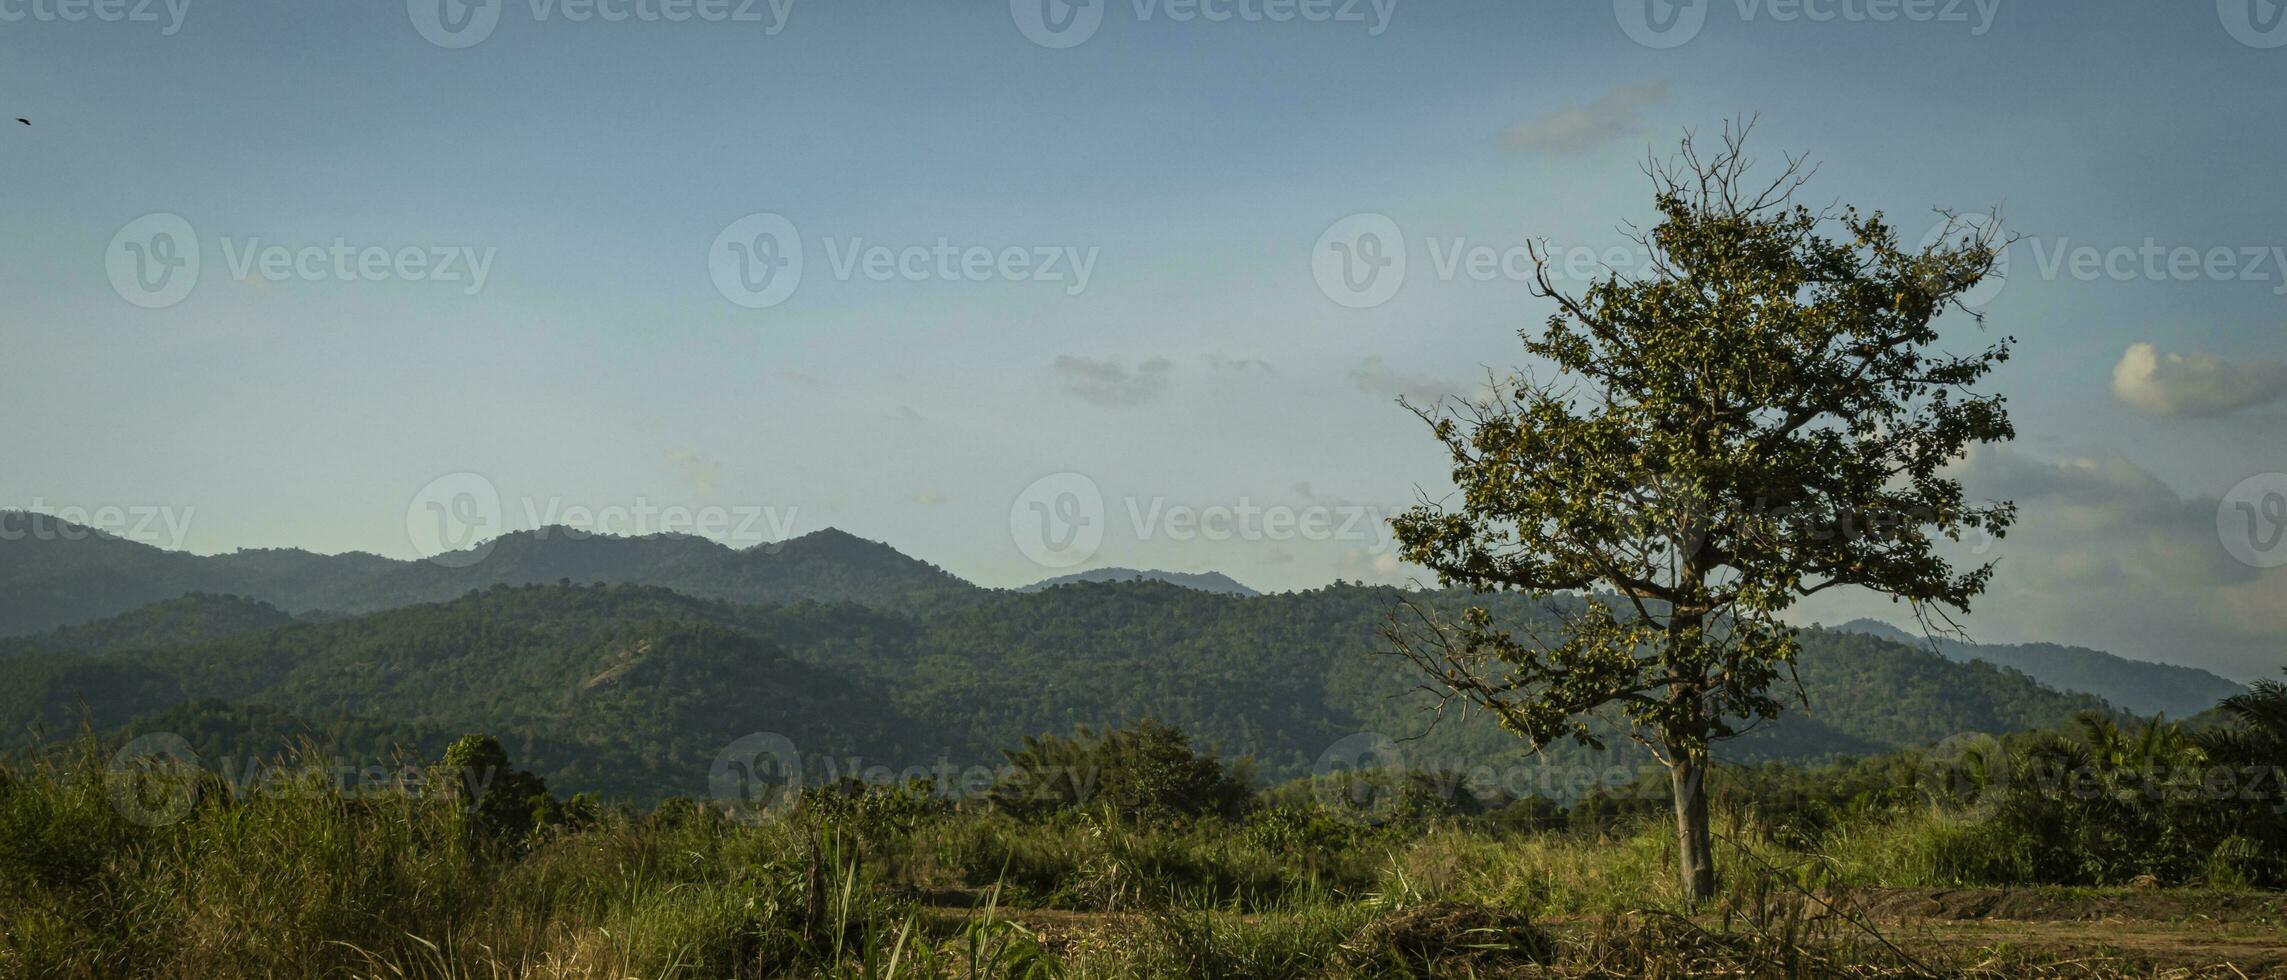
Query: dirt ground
{"type": "Point", "coordinates": [2071, 905]}
{"type": "Point", "coordinates": [2160, 931]}
{"type": "Point", "coordinates": [2157, 933]}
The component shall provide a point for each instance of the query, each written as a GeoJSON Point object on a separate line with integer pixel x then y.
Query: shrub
{"type": "Point", "coordinates": [1146, 772]}
{"type": "Point", "coordinates": [501, 804]}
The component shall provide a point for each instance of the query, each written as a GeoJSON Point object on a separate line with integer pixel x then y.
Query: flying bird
{"type": "Point", "coordinates": [23, 120]}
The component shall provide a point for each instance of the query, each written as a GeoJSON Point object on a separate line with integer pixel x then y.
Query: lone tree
{"type": "Point", "coordinates": [1760, 416]}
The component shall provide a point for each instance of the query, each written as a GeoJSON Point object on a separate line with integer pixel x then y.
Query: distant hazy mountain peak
{"type": "Point", "coordinates": [1215, 582]}
{"type": "Point", "coordinates": [1875, 627]}
{"type": "Point", "coordinates": [830, 539]}
{"type": "Point", "coordinates": [52, 574]}
{"type": "Point", "coordinates": [2139, 686]}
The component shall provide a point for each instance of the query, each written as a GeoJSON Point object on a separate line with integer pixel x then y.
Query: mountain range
{"type": "Point", "coordinates": [53, 573]}
{"type": "Point", "coordinates": [625, 665]}
{"type": "Point", "coordinates": [2138, 686]}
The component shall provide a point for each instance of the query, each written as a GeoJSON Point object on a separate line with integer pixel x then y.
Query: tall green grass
{"type": "Point", "coordinates": [302, 881]}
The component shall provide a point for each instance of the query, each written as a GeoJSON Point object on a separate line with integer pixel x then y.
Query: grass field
{"type": "Point", "coordinates": [307, 882]}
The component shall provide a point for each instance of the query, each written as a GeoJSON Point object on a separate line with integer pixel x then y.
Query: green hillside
{"type": "Point", "coordinates": [633, 691]}
{"type": "Point", "coordinates": [193, 618]}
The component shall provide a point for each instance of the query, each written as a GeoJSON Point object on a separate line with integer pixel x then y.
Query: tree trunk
{"type": "Point", "coordinates": [1694, 850]}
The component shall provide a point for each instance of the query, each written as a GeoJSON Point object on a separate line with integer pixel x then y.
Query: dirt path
{"type": "Point", "coordinates": [2158, 933]}
{"type": "Point", "coordinates": [2205, 934]}
{"type": "Point", "coordinates": [2069, 905]}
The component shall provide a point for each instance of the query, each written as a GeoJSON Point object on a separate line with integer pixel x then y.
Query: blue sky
{"type": "Point", "coordinates": [1196, 163]}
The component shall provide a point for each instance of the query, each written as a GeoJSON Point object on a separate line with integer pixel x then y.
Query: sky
{"type": "Point", "coordinates": [1027, 288]}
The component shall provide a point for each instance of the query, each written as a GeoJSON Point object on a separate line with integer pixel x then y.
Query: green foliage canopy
{"type": "Point", "coordinates": [1759, 417]}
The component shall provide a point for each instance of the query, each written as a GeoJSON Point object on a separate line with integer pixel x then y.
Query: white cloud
{"type": "Point", "coordinates": [1111, 382]}
{"type": "Point", "coordinates": [2194, 385]}
{"type": "Point", "coordinates": [2106, 555]}
{"type": "Point", "coordinates": [1382, 381]}
{"type": "Point", "coordinates": [1578, 130]}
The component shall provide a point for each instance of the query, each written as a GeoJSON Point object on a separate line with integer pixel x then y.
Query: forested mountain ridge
{"type": "Point", "coordinates": [602, 687]}
{"type": "Point", "coordinates": [192, 618]}
{"type": "Point", "coordinates": [54, 574]}
{"type": "Point", "coordinates": [632, 690]}
{"type": "Point", "coordinates": [2137, 686]}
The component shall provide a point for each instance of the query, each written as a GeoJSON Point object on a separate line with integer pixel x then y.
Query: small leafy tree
{"type": "Point", "coordinates": [2252, 751]}
{"type": "Point", "coordinates": [1758, 417]}
{"type": "Point", "coordinates": [1147, 771]}
{"type": "Point", "coordinates": [499, 805]}
{"type": "Point", "coordinates": [2257, 733]}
